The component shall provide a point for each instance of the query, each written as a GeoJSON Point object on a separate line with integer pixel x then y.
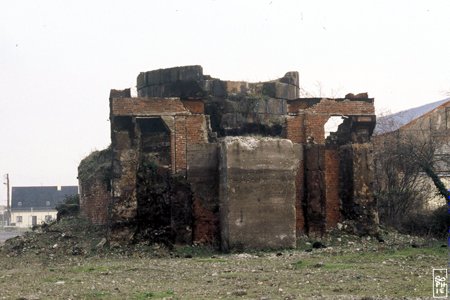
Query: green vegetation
{"type": "Point", "coordinates": [98, 164]}
{"type": "Point", "coordinates": [70, 207]}
{"type": "Point", "coordinates": [97, 295]}
{"type": "Point", "coordinates": [371, 270]}
{"type": "Point", "coordinates": [210, 260]}
{"type": "Point", "coordinates": [194, 251]}
{"type": "Point", "coordinates": [153, 295]}
{"type": "Point", "coordinates": [64, 260]}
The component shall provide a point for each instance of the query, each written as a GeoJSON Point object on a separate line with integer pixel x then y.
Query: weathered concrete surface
{"type": "Point", "coordinates": [235, 107]}
{"type": "Point", "coordinates": [257, 192]}
{"type": "Point", "coordinates": [173, 82]}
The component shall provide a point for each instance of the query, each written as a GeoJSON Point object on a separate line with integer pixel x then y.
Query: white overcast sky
{"type": "Point", "coordinates": [59, 59]}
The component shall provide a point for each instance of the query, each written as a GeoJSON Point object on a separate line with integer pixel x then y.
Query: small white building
{"type": "Point", "coordinates": [35, 205]}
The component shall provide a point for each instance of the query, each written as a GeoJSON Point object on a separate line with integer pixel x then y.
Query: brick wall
{"type": "Point", "coordinates": [295, 128]}
{"type": "Point", "coordinates": [323, 207]}
{"type": "Point", "coordinates": [295, 105]}
{"type": "Point", "coordinates": [146, 106]}
{"type": "Point", "coordinates": [194, 106]}
{"type": "Point", "coordinates": [345, 107]}
{"type": "Point", "coordinates": [203, 176]}
{"type": "Point", "coordinates": [179, 161]}
{"type": "Point", "coordinates": [315, 196]}
{"type": "Point", "coordinates": [196, 129]}
{"type": "Point", "coordinates": [319, 114]}
{"type": "Point", "coordinates": [314, 126]}
{"type": "Point", "coordinates": [317, 187]}
{"type": "Point", "coordinates": [188, 130]}
{"type": "Point", "coordinates": [94, 201]}
{"type": "Point", "coordinates": [333, 205]}
{"type": "Point", "coordinates": [206, 224]}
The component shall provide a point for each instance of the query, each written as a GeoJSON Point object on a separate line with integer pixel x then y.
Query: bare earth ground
{"type": "Point", "coordinates": [60, 262]}
{"type": "Point", "coordinates": [7, 234]}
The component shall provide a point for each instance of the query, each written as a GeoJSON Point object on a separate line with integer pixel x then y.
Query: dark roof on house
{"type": "Point", "coordinates": [39, 197]}
{"type": "Point", "coordinates": [404, 117]}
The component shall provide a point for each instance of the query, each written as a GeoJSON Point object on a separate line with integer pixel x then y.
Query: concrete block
{"type": "Point", "coordinates": [257, 192]}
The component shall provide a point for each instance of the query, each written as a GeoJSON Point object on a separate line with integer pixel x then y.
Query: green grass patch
{"type": "Point", "coordinates": [298, 265]}
{"type": "Point", "coordinates": [153, 295]}
{"type": "Point", "coordinates": [377, 257]}
{"type": "Point", "coordinates": [436, 250]}
{"type": "Point", "coordinates": [97, 295]}
{"type": "Point", "coordinates": [53, 279]}
{"type": "Point", "coordinates": [194, 251]}
{"type": "Point", "coordinates": [211, 260]}
{"type": "Point", "coordinates": [90, 269]}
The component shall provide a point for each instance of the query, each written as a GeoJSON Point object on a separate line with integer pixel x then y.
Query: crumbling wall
{"type": "Point", "coordinates": [257, 192]}
{"type": "Point", "coordinates": [319, 197]}
{"type": "Point", "coordinates": [356, 173]}
{"type": "Point", "coordinates": [249, 192]}
{"type": "Point", "coordinates": [94, 176]}
{"type": "Point", "coordinates": [235, 107]}
{"type": "Point", "coordinates": [318, 202]}
{"type": "Point", "coordinates": [333, 201]}
{"type": "Point", "coordinates": [203, 177]}
{"type": "Point", "coordinates": [164, 212]}
{"type": "Point", "coordinates": [356, 191]}
{"type": "Point", "coordinates": [158, 132]}
{"type": "Point", "coordinates": [315, 200]}
{"type": "Point", "coordinates": [308, 116]}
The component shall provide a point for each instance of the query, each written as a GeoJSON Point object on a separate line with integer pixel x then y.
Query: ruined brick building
{"type": "Point", "coordinates": [236, 164]}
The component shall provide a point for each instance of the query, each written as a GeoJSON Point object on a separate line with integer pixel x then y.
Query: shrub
{"type": "Point", "coordinates": [434, 223]}
{"type": "Point", "coordinates": [69, 207]}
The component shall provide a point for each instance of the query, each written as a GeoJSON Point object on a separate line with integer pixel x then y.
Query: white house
{"type": "Point", "coordinates": [34, 205]}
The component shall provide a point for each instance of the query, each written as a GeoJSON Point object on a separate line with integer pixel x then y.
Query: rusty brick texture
{"type": "Point", "coordinates": [94, 200]}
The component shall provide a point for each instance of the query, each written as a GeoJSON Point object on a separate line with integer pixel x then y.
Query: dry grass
{"type": "Point", "coordinates": [352, 268]}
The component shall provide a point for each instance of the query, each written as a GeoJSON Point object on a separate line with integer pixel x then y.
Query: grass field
{"type": "Point", "coordinates": [350, 268]}
{"type": "Point", "coordinates": [330, 273]}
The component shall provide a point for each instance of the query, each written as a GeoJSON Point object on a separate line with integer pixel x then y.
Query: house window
{"type": "Point", "coordinates": [19, 219]}
{"type": "Point", "coordinates": [19, 203]}
{"type": "Point", "coordinates": [47, 203]}
{"type": "Point", "coordinates": [48, 218]}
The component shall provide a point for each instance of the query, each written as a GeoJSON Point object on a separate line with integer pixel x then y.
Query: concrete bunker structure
{"type": "Point", "coordinates": [195, 159]}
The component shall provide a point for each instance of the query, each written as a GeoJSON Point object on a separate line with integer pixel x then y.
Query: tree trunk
{"type": "Point", "coordinates": [437, 182]}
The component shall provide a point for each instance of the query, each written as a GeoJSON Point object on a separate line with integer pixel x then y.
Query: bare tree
{"type": "Point", "coordinates": [423, 152]}
{"type": "Point", "coordinates": [404, 161]}
{"type": "Point", "coordinates": [397, 180]}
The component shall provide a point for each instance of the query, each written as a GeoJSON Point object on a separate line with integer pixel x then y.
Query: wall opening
{"type": "Point", "coordinates": [155, 141]}
{"type": "Point", "coordinates": [332, 125]}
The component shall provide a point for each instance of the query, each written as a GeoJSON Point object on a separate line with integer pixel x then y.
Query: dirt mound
{"type": "Point", "coordinates": [69, 236]}
{"type": "Point", "coordinates": [75, 237]}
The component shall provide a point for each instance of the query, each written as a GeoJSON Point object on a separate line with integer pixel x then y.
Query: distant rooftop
{"type": "Point", "coordinates": [402, 118]}
{"type": "Point", "coordinates": [39, 197]}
